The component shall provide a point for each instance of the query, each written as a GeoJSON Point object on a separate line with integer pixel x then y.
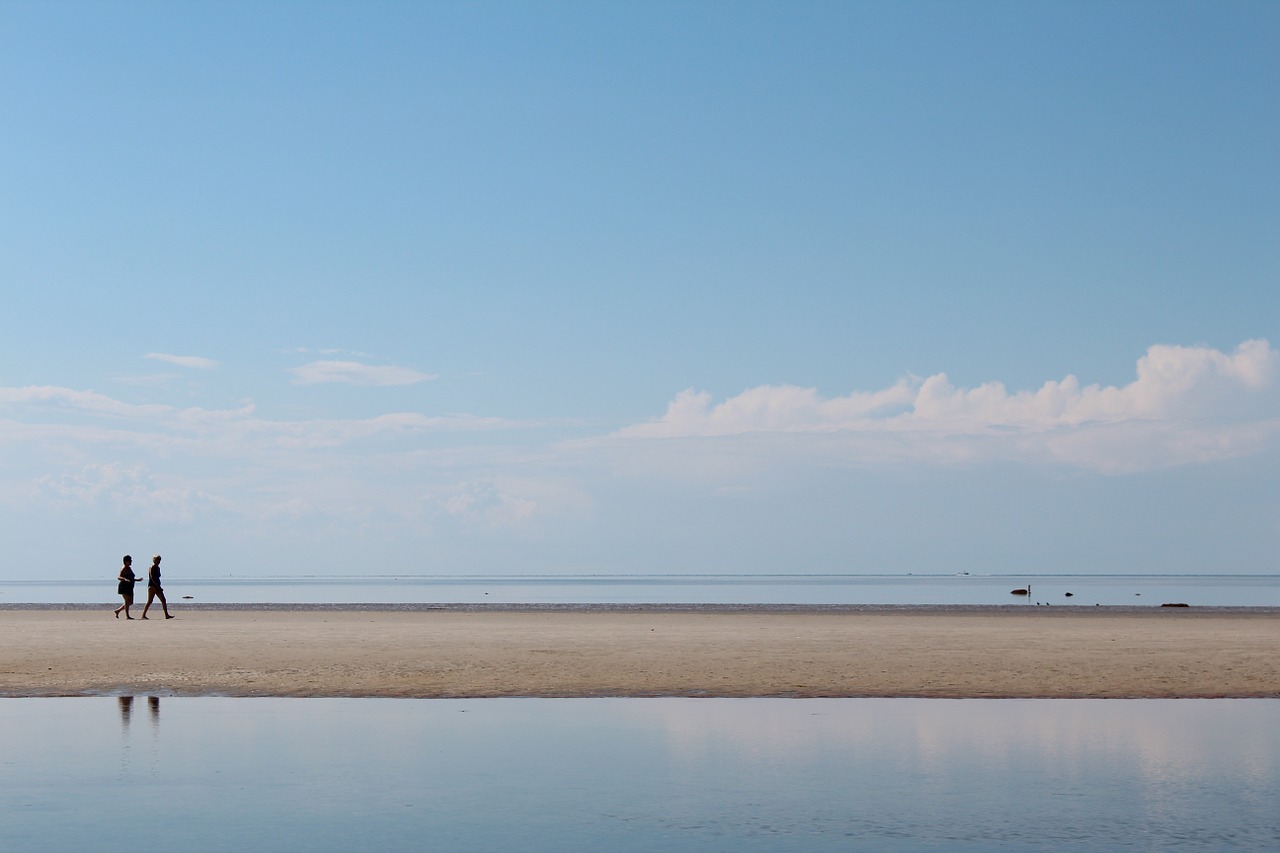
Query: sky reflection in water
{"type": "Point", "coordinates": [639, 774]}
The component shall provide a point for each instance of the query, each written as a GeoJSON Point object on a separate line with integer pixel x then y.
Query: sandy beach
{"type": "Point", "coordinates": [983, 652]}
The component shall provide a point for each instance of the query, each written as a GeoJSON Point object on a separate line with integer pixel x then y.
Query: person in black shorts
{"type": "Point", "coordinates": [126, 580]}
{"type": "Point", "coordinates": [154, 590]}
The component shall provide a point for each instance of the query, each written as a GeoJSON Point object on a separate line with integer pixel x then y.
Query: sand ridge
{"type": "Point", "coordinates": [801, 652]}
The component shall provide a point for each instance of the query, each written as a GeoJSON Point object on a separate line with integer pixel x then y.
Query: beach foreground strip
{"type": "Point", "coordinates": [996, 653]}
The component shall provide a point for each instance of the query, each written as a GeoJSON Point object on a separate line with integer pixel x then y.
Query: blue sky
{"type": "Point", "coordinates": [370, 288]}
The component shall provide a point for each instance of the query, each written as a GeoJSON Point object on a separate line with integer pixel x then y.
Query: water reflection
{"type": "Point", "coordinates": [903, 775]}
{"type": "Point", "coordinates": [126, 712]}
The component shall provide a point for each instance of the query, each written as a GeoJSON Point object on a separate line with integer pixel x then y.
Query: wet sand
{"type": "Point", "coordinates": [467, 652]}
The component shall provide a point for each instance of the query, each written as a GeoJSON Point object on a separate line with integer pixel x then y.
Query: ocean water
{"type": "Point", "coordinates": [209, 774]}
{"type": "Point", "coordinates": [1061, 590]}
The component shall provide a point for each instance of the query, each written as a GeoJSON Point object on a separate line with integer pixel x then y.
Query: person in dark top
{"type": "Point", "coordinates": [126, 580]}
{"type": "Point", "coordinates": [154, 590]}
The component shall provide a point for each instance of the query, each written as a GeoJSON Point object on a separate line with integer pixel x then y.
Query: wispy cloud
{"type": "Point", "coordinates": [150, 380]}
{"type": "Point", "coordinates": [356, 373]}
{"type": "Point", "coordinates": [82, 448]}
{"type": "Point", "coordinates": [84, 402]}
{"type": "Point", "coordinates": [194, 362]}
{"type": "Point", "coordinates": [127, 489]}
{"type": "Point", "coordinates": [210, 431]}
{"type": "Point", "coordinates": [330, 351]}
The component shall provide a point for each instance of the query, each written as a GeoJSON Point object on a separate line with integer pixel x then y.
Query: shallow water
{"type": "Point", "coordinates": [639, 774]}
{"type": "Point", "coordinates": [1085, 590]}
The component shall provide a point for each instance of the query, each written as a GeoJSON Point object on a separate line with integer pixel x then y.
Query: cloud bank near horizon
{"type": "Point", "coordinates": [1186, 405]}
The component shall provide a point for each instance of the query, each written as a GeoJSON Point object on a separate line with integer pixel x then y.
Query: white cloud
{"type": "Point", "coordinates": [1187, 404]}
{"type": "Point", "coordinates": [86, 402]}
{"type": "Point", "coordinates": [328, 351]}
{"type": "Point", "coordinates": [89, 418]}
{"type": "Point", "coordinates": [193, 361]}
{"type": "Point", "coordinates": [68, 424]}
{"type": "Point", "coordinates": [151, 380]}
{"type": "Point", "coordinates": [356, 373]}
{"type": "Point", "coordinates": [64, 447]}
{"type": "Point", "coordinates": [489, 504]}
{"type": "Point", "coordinates": [773, 408]}
{"type": "Point", "coordinates": [127, 489]}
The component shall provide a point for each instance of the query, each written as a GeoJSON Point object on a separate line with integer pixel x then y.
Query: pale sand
{"type": "Point", "coordinates": [998, 652]}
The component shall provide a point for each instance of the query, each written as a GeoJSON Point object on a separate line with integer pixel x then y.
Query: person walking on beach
{"type": "Point", "coordinates": [154, 590]}
{"type": "Point", "coordinates": [126, 580]}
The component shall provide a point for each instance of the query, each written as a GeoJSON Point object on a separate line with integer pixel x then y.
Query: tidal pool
{"type": "Point", "coordinates": [208, 774]}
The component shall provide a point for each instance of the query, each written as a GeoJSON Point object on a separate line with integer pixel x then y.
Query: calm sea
{"type": "Point", "coordinates": [1080, 590]}
{"type": "Point", "coordinates": [966, 776]}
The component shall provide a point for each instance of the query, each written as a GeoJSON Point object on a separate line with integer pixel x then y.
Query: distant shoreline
{"type": "Point", "coordinates": [857, 591]}
{"type": "Point", "coordinates": [621, 607]}
{"type": "Point", "coordinates": [615, 607]}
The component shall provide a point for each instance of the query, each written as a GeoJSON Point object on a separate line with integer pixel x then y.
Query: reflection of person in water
{"type": "Point", "coordinates": [154, 590]}
{"type": "Point", "coordinates": [126, 580]}
{"type": "Point", "coordinates": [126, 711]}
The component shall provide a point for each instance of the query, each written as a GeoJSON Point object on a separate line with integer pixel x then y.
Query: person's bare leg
{"type": "Point", "coordinates": [163, 603]}
{"type": "Point", "coordinates": [151, 593]}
